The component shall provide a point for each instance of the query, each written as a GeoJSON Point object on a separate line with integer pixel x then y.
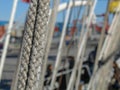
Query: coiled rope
{"type": "Point", "coordinates": [33, 45]}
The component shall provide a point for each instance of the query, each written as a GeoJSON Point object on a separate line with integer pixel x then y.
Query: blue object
{"type": "Point", "coordinates": [2, 23]}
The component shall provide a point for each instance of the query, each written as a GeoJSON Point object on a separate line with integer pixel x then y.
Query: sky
{"type": "Point", "coordinates": [6, 7]}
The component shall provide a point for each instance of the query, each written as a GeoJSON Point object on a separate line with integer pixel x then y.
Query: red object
{"type": "Point", "coordinates": [27, 1]}
{"type": "Point", "coordinates": [56, 29]}
{"type": "Point", "coordinates": [73, 29]}
{"type": "Point", "coordinates": [99, 28]}
{"type": "Point", "coordinates": [2, 31]}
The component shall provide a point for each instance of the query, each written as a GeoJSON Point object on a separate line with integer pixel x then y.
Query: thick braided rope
{"type": "Point", "coordinates": [51, 25]}
{"type": "Point", "coordinates": [39, 44]}
{"type": "Point", "coordinates": [26, 45]}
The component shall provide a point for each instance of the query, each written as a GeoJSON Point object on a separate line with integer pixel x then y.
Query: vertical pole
{"type": "Point", "coordinates": [7, 39]}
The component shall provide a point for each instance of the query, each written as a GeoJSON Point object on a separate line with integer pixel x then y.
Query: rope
{"type": "Point", "coordinates": [59, 74]}
{"type": "Point", "coordinates": [78, 78]}
{"type": "Point", "coordinates": [103, 78]}
{"type": "Point", "coordinates": [39, 44]}
{"type": "Point", "coordinates": [102, 37]}
{"type": "Point", "coordinates": [60, 46]}
{"type": "Point", "coordinates": [85, 38]}
{"type": "Point", "coordinates": [26, 45]}
{"type": "Point", "coordinates": [106, 49]}
{"type": "Point", "coordinates": [68, 49]}
{"type": "Point", "coordinates": [76, 23]}
{"type": "Point", "coordinates": [33, 48]}
{"type": "Point", "coordinates": [50, 33]}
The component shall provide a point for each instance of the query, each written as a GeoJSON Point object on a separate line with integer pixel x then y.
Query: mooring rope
{"type": "Point", "coordinates": [51, 25]}
{"type": "Point", "coordinates": [33, 45]}
{"type": "Point", "coordinates": [27, 45]}
{"type": "Point", "coordinates": [39, 44]}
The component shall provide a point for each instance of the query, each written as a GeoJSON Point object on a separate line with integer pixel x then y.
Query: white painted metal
{"type": "Point", "coordinates": [7, 38]}
{"type": "Point", "coordinates": [64, 5]}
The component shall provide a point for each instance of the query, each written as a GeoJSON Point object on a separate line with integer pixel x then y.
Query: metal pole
{"type": "Point", "coordinates": [7, 39]}
{"type": "Point", "coordinates": [61, 46]}
{"type": "Point", "coordinates": [113, 26]}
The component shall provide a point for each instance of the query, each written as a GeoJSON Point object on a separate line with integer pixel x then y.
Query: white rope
{"type": "Point", "coordinates": [109, 36]}
{"type": "Point", "coordinates": [23, 68]}
{"type": "Point", "coordinates": [106, 46]}
{"type": "Point", "coordinates": [38, 46]}
{"type": "Point", "coordinates": [80, 40]}
{"type": "Point", "coordinates": [102, 37]}
{"type": "Point", "coordinates": [59, 74]}
{"type": "Point", "coordinates": [50, 33]}
{"type": "Point", "coordinates": [80, 69]}
{"type": "Point", "coordinates": [111, 30]}
{"type": "Point", "coordinates": [72, 79]}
